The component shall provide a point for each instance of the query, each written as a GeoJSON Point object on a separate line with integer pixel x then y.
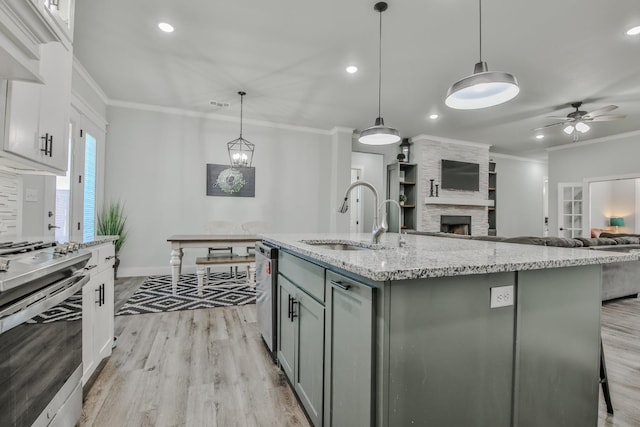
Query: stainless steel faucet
{"type": "Point", "coordinates": [401, 239]}
{"type": "Point", "coordinates": [378, 228]}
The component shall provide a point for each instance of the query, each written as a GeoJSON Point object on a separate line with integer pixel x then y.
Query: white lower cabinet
{"type": "Point", "coordinates": [97, 310]}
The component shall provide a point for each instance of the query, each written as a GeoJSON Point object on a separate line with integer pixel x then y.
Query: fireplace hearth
{"type": "Point", "coordinates": [456, 224]}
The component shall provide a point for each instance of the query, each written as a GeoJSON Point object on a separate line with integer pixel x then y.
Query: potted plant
{"type": "Point", "coordinates": [112, 222]}
{"type": "Point", "coordinates": [403, 199]}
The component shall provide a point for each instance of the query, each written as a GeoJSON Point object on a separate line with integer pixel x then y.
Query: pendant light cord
{"type": "Point", "coordinates": [241, 108]}
{"type": "Point", "coordinates": [480, 26]}
{"type": "Point", "coordinates": [380, 65]}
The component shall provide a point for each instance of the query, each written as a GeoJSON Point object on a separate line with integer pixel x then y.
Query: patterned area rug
{"type": "Point", "coordinates": [155, 295]}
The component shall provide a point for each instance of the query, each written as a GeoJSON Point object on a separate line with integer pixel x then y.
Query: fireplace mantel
{"type": "Point", "coordinates": [458, 201]}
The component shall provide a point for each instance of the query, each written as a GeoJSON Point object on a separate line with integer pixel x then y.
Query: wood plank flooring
{"type": "Point", "coordinates": [209, 367]}
{"type": "Point", "coordinates": [621, 338]}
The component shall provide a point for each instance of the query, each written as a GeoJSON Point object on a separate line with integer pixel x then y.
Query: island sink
{"type": "Point", "coordinates": [342, 245]}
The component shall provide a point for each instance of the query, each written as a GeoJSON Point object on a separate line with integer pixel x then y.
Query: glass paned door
{"type": "Point", "coordinates": [89, 199]}
{"type": "Point", "coordinates": [570, 215]}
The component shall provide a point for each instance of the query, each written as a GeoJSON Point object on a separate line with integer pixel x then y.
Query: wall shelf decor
{"type": "Point", "coordinates": [402, 179]}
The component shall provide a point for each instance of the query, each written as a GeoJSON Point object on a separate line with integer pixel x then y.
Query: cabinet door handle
{"type": "Point", "coordinates": [289, 303]}
{"type": "Point", "coordinates": [46, 144]}
{"type": "Point", "coordinates": [102, 294]}
{"type": "Point", "coordinates": [89, 267]}
{"type": "Point", "coordinates": [50, 145]}
{"type": "Point", "coordinates": [99, 292]}
{"type": "Point", "coordinates": [293, 308]}
{"type": "Point", "coordinates": [340, 285]}
{"type": "Point", "coordinates": [109, 257]}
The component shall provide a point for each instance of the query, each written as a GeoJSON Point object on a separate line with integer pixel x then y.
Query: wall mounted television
{"type": "Point", "coordinates": [460, 175]}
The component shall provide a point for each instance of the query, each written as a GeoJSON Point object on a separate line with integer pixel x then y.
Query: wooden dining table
{"type": "Point", "coordinates": [182, 241]}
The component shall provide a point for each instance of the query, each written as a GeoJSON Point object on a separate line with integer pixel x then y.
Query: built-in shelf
{"type": "Point", "coordinates": [459, 201]}
{"type": "Point", "coordinates": [407, 206]}
{"type": "Point", "coordinates": [407, 183]}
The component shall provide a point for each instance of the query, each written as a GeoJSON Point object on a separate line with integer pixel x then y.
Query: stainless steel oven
{"type": "Point", "coordinates": [41, 339]}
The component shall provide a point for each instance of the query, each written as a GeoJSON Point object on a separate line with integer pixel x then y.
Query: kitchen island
{"type": "Point", "coordinates": [441, 331]}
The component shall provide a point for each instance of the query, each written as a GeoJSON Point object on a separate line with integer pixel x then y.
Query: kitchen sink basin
{"type": "Point", "coordinates": [340, 245]}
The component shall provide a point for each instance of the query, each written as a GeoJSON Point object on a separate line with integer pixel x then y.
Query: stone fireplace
{"type": "Point", "coordinates": [456, 224]}
{"type": "Point", "coordinates": [429, 153]}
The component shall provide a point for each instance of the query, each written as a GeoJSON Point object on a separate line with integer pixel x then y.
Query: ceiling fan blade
{"type": "Point", "coordinates": [599, 111]}
{"type": "Point", "coordinates": [607, 118]}
{"type": "Point", "coordinates": [559, 117]}
{"type": "Point", "coordinates": [548, 126]}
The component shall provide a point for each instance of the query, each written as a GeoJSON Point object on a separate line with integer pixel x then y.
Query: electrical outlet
{"type": "Point", "coordinates": [502, 296]}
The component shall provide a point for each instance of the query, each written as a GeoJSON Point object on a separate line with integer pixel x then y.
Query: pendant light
{"type": "Point", "coordinates": [240, 150]}
{"type": "Point", "coordinates": [483, 88]}
{"type": "Point", "coordinates": [379, 134]}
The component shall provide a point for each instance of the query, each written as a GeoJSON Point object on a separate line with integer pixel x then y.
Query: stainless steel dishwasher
{"type": "Point", "coordinates": [267, 293]}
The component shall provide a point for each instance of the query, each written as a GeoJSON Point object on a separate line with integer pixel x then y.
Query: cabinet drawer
{"type": "Point", "coordinates": [106, 256]}
{"type": "Point", "coordinates": [304, 274]}
{"type": "Point", "coordinates": [92, 265]}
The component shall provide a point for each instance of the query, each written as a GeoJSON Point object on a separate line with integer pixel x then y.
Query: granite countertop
{"type": "Point", "coordinates": [98, 240]}
{"type": "Point", "coordinates": [427, 256]}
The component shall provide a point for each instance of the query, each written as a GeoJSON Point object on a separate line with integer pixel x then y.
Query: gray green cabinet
{"type": "Point", "coordinates": [491, 349]}
{"type": "Point", "coordinates": [349, 387]}
{"type": "Point", "coordinates": [450, 353]}
{"type": "Point", "coordinates": [301, 318]}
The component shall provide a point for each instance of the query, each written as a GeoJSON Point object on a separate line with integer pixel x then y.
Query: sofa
{"type": "Point", "coordinates": [619, 280]}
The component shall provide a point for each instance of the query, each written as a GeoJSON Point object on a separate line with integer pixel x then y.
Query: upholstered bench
{"type": "Point", "coordinates": [232, 260]}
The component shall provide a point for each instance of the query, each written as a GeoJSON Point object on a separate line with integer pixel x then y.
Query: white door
{"type": "Point", "coordinates": [570, 209]}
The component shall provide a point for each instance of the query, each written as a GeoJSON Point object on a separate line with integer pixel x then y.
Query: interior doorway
{"type": "Point", "coordinates": [613, 204]}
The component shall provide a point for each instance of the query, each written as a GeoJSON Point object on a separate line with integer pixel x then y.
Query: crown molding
{"type": "Point", "coordinates": [424, 137]}
{"type": "Point", "coordinates": [79, 68]}
{"type": "Point", "coordinates": [595, 141]}
{"type": "Point", "coordinates": [522, 159]}
{"type": "Point", "coordinates": [214, 116]}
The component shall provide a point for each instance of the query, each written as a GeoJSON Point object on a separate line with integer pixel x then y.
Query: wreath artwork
{"type": "Point", "coordinates": [223, 180]}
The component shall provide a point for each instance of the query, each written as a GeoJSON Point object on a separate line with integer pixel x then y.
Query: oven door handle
{"type": "Point", "coordinates": [40, 302]}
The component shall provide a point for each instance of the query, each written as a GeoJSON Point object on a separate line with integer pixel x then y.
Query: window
{"type": "Point", "coordinates": [89, 203]}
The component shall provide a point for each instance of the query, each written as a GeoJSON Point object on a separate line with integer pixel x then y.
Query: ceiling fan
{"type": "Point", "coordinates": [576, 121]}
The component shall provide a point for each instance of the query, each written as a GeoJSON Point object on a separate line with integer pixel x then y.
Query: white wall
{"type": "Point", "coordinates": [601, 158]}
{"type": "Point", "coordinates": [600, 196]}
{"type": "Point", "coordinates": [156, 165]}
{"type": "Point", "coordinates": [519, 195]}
{"type": "Point", "coordinates": [373, 170]}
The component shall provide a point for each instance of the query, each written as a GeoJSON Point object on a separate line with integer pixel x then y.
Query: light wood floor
{"type": "Point", "coordinates": [209, 367]}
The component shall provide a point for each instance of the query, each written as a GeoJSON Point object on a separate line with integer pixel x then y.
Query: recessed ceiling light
{"type": "Point", "coordinates": [434, 116]}
{"type": "Point", "coordinates": [539, 136]}
{"type": "Point", "coordinates": [634, 31]}
{"type": "Point", "coordinates": [352, 69]}
{"type": "Point", "coordinates": [167, 28]}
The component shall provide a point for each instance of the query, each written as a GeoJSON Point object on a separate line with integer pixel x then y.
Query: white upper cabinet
{"type": "Point", "coordinates": [24, 26]}
{"type": "Point", "coordinates": [37, 116]}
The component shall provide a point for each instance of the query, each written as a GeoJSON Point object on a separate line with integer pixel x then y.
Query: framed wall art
{"type": "Point", "coordinates": [223, 180]}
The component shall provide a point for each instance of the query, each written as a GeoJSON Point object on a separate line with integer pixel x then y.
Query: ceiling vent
{"type": "Point", "coordinates": [220, 104]}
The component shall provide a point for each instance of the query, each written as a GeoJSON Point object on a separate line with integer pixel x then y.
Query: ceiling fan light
{"type": "Point", "coordinates": [582, 127]}
{"type": "Point", "coordinates": [568, 130]}
{"type": "Point", "coordinates": [482, 89]}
